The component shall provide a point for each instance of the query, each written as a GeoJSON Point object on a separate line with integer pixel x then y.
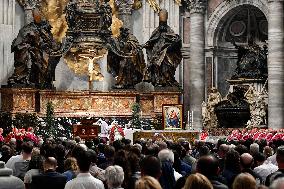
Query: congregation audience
{"type": "Point", "coordinates": [155, 163]}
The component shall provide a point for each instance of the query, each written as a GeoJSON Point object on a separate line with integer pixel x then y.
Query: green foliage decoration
{"type": "Point", "coordinates": [135, 117]}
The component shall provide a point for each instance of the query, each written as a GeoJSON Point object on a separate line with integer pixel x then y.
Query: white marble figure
{"type": "Point", "coordinates": [209, 117]}
{"type": "Point", "coordinates": [258, 107]}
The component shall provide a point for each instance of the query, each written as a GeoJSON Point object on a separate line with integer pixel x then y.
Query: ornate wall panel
{"type": "Point", "coordinates": [18, 100]}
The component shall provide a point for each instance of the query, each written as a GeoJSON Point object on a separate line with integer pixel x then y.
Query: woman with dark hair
{"type": "Point", "coordinates": [6, 153]}
{"type": "Point", "coordinates": [135, 173]}
{"type": "Point", "coordinates": [232, 166]}
{"type": "Point", "coordinates": [60, 157]}
{"type": "Point", "coordinates": [120, 159]}
{"type": "Point", "coordinates": [35, 168]}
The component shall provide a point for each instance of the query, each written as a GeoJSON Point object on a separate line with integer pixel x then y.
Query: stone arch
{"type": "Point", "coordinates": [220, 14]}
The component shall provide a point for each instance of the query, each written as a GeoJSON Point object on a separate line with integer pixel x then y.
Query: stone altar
{"type": "Point", "coordinates": [86, 103]}
{"type": "Point", "coordinates": [189, 135]}
{"type": "Point", "coordinates": [16, 100]}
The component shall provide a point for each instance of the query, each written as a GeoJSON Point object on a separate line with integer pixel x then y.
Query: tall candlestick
{"type": "Point", "coordinates": [192, 119]}
{"type": "Point", "coordinates": [188, 116]}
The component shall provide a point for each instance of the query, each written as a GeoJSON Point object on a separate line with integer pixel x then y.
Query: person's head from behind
{"type": "Point", "coordinates": [114, 176]}
{"type": "Point", "coordinates": [84, 161]}
{"type": "Point", "coordinates": [6, 150]}
{"type": "Point", "coordinates": [70, 164]}
{"type": "Point", "coordinates": [246, 161]}
{"type": "Point", "coordinates": [244, 181]}
{"type": "Point", "coordinates": [27, 148]}
{"type": "Point", "coordinates": [93, 156]}
{"type": "Point", "coordinates": [50, 164]}
{"type": "Point", "coordinates": [147, 182]}
{"type": "Point", "coordinates": [267, 151]}
{"type": "Point", "coordinates": [109, 151]}
{"type": "Point", "coordinates": [280, 157]}
{"type": "Point", "coordinates": [204, 151]}
{"type": "Point", "coordinates": [197, 181]}
{"type": "Point", "coordinates": [232, 161]}
{"type": "Point", "coordinates": [222, 151]}
{"type": "Point", "coordinates": [59, 151]}
{"type": "Point", "coordinates": [36, 162]}
{"type": "Point", "coordinates": [151, 166]}
{"type": "Point", "coordinates": [208, 166]}
{"type": "Point", "coordinates": [277, 184]}
{"type": "Point", "coordinates": [76, 151]}
{"type": "Point", "coordinates": [166, 155]}
{"type": "Point", "coordinates": [259, 159]}
{"type": "Point", "coordinates": [254, 149]}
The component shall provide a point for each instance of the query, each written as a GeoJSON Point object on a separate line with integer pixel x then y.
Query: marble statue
{"type": "Point", "coordinates": [209, 117]}
{"type": "Point", "coordinates": [258, 107]}
{"type": "Point", "coordinates": [126, 65]}
{"type": "Point", "coordinates": [252, 61]}
{"type": "Point", "coordinates": [32, 55]}
{"type": "Point", "coordinates": [163, 54]}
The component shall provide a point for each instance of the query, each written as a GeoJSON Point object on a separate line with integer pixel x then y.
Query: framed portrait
{"type": "Point", "coordinates": [172, 116]}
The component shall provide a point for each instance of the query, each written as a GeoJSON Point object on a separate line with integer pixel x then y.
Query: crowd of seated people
{"type": "Point", "coordinates": [144, 164]}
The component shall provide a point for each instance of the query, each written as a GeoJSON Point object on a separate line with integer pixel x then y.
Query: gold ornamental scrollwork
{"type": "Point", "coordinates": [156, 7]}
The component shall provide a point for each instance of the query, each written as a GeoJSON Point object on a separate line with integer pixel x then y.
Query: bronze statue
{"type": "Point", "coordinates": [32, 49]}
{"type": "Point", "coordinates": [126, 62]}
{"type": "Point", "coordinates": [252, 61]}
{"type": "Point", "coordinates": [163, 53]}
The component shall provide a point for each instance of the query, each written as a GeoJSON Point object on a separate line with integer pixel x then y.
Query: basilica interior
{"type": "Point", "coordinates": [178, 65]}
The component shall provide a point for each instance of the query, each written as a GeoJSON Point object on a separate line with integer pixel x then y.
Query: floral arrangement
{"type": "Point", "coordinates": [22, 134]}
{"type": "Point", "coordinates": [203, 136]}
{"type": "Point", "coordinates": [257, 134]}
{"type": "Point", "coordinates": [116, 133]}
{"type": "Point", "coordinates": [1, 136]}
{"type": "Point", "coordinates": [244, 134]}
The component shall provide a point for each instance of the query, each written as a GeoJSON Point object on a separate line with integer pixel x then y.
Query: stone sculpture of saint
{"type": "Point", "coordinates": [252, 61]}
{"type": "Point", "coordinates": [31, 51]}
{"type": "Point", "coordinates": [126, 62]}
{"type": "Point", "coordinates": [163, 54]}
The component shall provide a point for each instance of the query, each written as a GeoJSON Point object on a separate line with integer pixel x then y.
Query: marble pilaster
{"type": "Point", "coordinates": [275, 64]}
{"type": "Point", "coordinates": [197, 61]}
{"type": "Point", "coordinates": [186, 55]}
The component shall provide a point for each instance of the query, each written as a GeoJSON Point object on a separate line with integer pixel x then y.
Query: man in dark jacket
{"type": "Point", "coordinates": [50, 179]}
{"type": "Point", "coordinates": [208, 166]}
{"type": "Point", "coordinates": [280, 162]}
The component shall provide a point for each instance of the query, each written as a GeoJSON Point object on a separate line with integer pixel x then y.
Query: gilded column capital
{"type": "Point", "coordinates": [124, 6]}
{"type": "Point", "coordinates": [198, 6]}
